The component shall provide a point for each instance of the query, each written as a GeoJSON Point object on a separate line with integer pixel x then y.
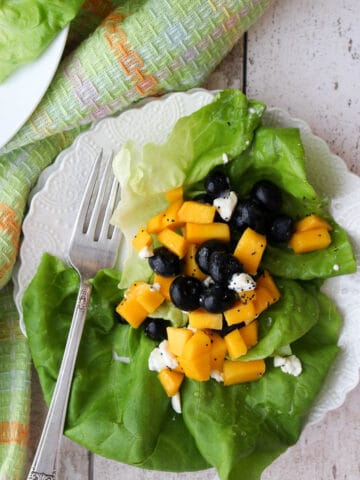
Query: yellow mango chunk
{"type": "Point", "coordinates": [170, 219]}
{"type": "Point", "coordinates": [197, 368]}
{"type": "Point", "coordinates": [142, 239]}
{"type": "Point", "coordinates": [250, 249]}
{"type": "Point", "coordinates": [173, 241]}
{"type": "Point", "coordinates": [310, 240]}
{"type": "Point", "coordinates": [199, 233]}
{"type": "Point", "coordinates": [310, 222]}
{"type": "Point", "coordinates": [196, 212]}
{"type": "Point", "coordinates": [241, 372]}
{"type": "Point", "coordinates": [263, 300]}
{"type": "Point", "coordinates": [218, 351]}
{"type": "Point", "coordinates": [171, 381]}
{"type": "Point", "coordinates": [235, 344]}
{"type": "Point", "coordinates": [265, 280]}
{"type": "Point", "coordinates": [202, 319]}
{"type": "Point", "coordinates": [199, 344]}
{"type": "Point", "coordinates": [177, 337]}
{"type": "Point", "coordinates": [249, 333]}
{"type": "Point", "coordinates": [174, 194]}
{"type": "Point", "coordinates": [195, 359]}
{"type": "Point", "coordinates": [164, 283]}
{"type": "Point", "coordinates": [131, 310]}
{"type": "Point", "coordinates": [155, 224]}
{"type": "Point", "coordinates": [150, 298]}
{"type": "Point", "coordinates": [240, 312]}
{"type": "Point", "coordinates": [190, 267]}
{"type": "Point", "coordinates": [135, 288]}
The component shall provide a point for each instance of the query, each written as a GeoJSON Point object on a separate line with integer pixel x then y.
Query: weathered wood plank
{"type": "Point", "coordinates": [304, 57]}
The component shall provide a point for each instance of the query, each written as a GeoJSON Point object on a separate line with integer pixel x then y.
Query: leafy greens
{"type": "Point", "coordinates": [28, 26]}
{"type": "Point", "coordinates": [239, 429]}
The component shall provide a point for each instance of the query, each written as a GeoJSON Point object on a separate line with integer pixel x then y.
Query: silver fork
{"type": "Point", "coordinates": [94, 245]}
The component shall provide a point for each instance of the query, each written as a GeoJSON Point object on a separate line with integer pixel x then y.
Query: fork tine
{"type": "Point", "coordinates": [108, 230]}
{"type": "Point", "coordinates": [101, 201]}
{"type": "Point", "coordinates": [80, 220]}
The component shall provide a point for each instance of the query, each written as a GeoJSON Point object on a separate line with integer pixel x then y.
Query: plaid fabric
{"type": "Point", "coordinates": [118, 52]}
{"type": "Point", "coordinates": [14, 390]}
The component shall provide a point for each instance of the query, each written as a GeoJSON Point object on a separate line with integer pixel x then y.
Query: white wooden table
{"type": "Point", "coordinates": [302, 56]}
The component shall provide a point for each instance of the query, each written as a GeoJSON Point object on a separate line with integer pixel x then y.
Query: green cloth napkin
{"type": "Point", "coordinates": [14, 390]}
{"type": "Point", "coordinates": [117, 53]}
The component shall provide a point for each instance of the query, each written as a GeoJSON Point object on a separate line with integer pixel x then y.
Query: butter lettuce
{"type": "Point", "coordinates": [28, 26]}
{"type": "Point", "coordinates": [118, 409]}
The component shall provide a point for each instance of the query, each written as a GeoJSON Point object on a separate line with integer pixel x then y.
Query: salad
{"type": "Point", "coordinates": [241, 428]}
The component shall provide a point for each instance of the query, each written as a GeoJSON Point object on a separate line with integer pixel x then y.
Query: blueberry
{"type": "Point", "coordinates": [268, 194]}
{"type": "Point", "coordinates": [217, 183]}
{"type": "Point", "coordinates": [203, 198]}
{"type": "Point", "coordinates": [164, 262]}
{"type": "Point", "coordinates": [185, 292]}
{"type": "Point", "coordinates": [155, 328]}
{"type": "Point", "coordinates": [204, 252]}
{"type": "Point", "coordinates": [217, 298]}
{"type": "Point", "coordinates": [281, 228]}
{"type": "Point", "coordinates": [248, 213]}
{"type": "Point", "coordinates": [222, 266]}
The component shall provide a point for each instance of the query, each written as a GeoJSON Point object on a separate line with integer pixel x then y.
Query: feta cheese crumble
{"type": "Point", "coordinates": [290, 364]}
{"type": "Point", "coordinates": [217, 375]}
{"type": "Point", "coordinates": [120, 358]}
{"type": "Point", "coordinates": [146, 252]}
{"type": "Point", "coordinates": [161, 358]}
{"type": "Point", "coordinates": [226, 205]}
{"type": "Point", "coordinates": [242, 282]}
{"type": "Point", "coordinates": [176, 402]}
{"type": "Point", "coordinates": [336, 267]}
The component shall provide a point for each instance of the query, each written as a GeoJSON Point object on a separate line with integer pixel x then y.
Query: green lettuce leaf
{"type": "Point", "coordinates": [114, 405]}
{"type": "Point", "coordinates": [195, 146]}
{"type": "Point", "coordinates": [28, 26]}
{"type": "Point", "coordinates": [277, 155]}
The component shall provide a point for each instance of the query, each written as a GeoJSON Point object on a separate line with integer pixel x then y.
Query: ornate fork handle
{"type": "Point", "coordinates": [45, 461]}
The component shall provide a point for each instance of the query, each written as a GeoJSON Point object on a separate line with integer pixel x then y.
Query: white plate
{"type": "Point", "coordinates": [21, 92]}
{"type": "Point", "coordinates": [48, 225]}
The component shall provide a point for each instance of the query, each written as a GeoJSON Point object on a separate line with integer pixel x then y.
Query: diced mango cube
{"type": "Point", "coordinates": [240, 312]}
{"type": "Point", "coordinates": [170, 219]}
{"type": "Point", "coordinates": [199, 344]}
{"type": "Point", "coordinates": [177, 337]}
{"type": "Point", "coordinates": [250, 249]}
{"type": "Point", "coordinates": [173, 241]}
{"type": "Point", "coordinates": [164, 283]}
{"type": "Point", "coordinates": [199, 233]}
{"type": "Point", "coordinates": [175, 194]}
{"type": "Point", "coordinates": [310, 240]}
{"type": "Point", "coordinates": [266, 280]}
{"type": "Point", "coordinates": [241, 372]}
{"type": "Point", "coordinates": [198, 368]}
{"type": "Point", "coordinates": [131, 310]}
{"type": "Point", "coordinates": [263, 300]}
{"type": "Point", "coordinates": [150, 298]}
{"type": "Point", "coordinates": [235, 344]}
{"type": "Point", "coordinates": [191, 267]}
{"type": "Point", "coordinates": [142, 239]}
{"type": "Point", "coordinates": [171, 381]}
{"type": "Point", "coordinates": [218, 351]}
{"type": "Point", "coordinates": [196, 212]}
{"type": "Point", "coordinates": [249, 333]}
{"type": "Point", "coordinates": [156, 223]}
{"type": "Point", "coordinates": [310, 222]}
{"type": "Point", "coordinates": [202, 319]}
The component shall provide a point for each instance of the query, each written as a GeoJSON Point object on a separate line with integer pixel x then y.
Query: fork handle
{"type": "Point", "coordinates": [45, 461]}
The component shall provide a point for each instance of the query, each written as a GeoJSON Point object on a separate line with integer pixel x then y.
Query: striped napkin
{"type": "Point", "coordinates": [118, 52]}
